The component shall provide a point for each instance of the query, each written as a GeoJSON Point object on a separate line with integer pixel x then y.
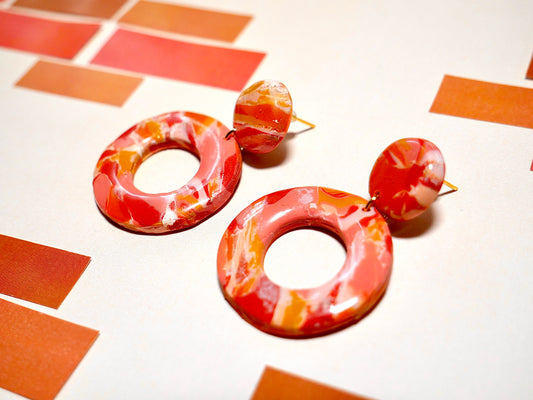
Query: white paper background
{"type": "Point", "coordinates": [456, 321]}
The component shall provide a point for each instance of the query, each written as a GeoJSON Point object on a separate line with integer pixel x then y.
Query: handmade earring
{"type": "Point", "coordinates": [407, 176]}
{"type": "Point", "coordinates": [260, 117]}
{"type": "Point", "coordinates": [263, 114]}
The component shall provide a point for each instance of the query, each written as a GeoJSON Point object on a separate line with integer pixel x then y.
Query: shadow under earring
{"type": "Point", "coordinates": [362, 280]}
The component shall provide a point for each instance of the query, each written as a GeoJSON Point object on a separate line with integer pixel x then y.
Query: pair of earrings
{"type": "Point", "coordinates": [404, 181]}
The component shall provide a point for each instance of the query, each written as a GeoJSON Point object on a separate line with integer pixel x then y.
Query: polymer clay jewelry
{"type": "Point", "coordinates": [260, 111]}
{"type": "Point", "coordinates": [211, 187]}
{"type": "Point", "coordinates": [406, 177]}
{"type": "Point", "coordinates": [263, 114]}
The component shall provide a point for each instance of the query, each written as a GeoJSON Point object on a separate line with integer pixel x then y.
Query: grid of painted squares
{"type": "Point", "coordinates": [144, 43]}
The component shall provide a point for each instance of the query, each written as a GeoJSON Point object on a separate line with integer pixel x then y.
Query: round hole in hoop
{"type": "Point", "coordinates": [304, 258]}
{"type": "Point", "coordinates": [166, 170]}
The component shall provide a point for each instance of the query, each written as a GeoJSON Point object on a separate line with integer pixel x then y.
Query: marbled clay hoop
{"type": "Point", "coordinates": [211, 187]}
{"type": "Point", "coordinates": [341, 301]}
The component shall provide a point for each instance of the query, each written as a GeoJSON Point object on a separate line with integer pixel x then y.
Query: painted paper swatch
{"type": "Point", "coordinates": [207, 65]}
{"type": "Point", "coordinates": [529, 74]}
{"type": "Point", "coordinates": [38, 353]}
{"type": "Point", "coordinates": [44, 36]}
{"type": "Point", "coordinates": [40, 274]}
{"type": "Point", "coordinates": [280, 385]}
{"type": "Point", "coordinates": [485, 101]}
{"type": "Point", "coordinates": [186, 20]}
{"type": "Point", "coordinates": [80, 82]}
{"type": "Point", "coordinates": [90, 8]}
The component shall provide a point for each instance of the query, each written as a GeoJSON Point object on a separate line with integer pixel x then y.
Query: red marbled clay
{"type": "Point", "coordinates": [211, 187]}
{"type": "Point", "coordinates": [263, 114]}
{"type": "Point", "coordinates": [407, 178]}
{"type": "Point", "coordinates": [341, 301]}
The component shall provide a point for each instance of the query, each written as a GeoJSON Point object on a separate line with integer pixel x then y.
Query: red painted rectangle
{"type": "Point", "coordinates": [80, 82]}
{"type": "Point", "coordinates": [207, 65]}
{"type": "Point", "coordinates": [280, 385]}
{"type": "Point", "coordinates": [485, 101]}
{"type": "Point", "coordinates": [37, 273]}
{"type": "Point", "coordinates": [38, 353]}
{"type": "Point", "coordinates": [44, 36]}
{"type": "Point", "coordinates": [89, 8]}
{"type": "Point", "coordinates": [186, 20]}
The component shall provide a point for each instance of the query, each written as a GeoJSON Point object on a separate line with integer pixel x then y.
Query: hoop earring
{"type": "Point", "coordinates": [261, 122]}
{"type": "Point", "coordinates": [415, 169]}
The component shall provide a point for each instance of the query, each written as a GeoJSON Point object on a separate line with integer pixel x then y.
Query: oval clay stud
{"type": "Point", "coordinates": [263, 114]}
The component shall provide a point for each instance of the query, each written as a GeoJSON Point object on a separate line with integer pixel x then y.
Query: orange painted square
{"type": "Point", "coordinates": [485, 101]}
{"type": "Point", "coordinates": [38, 353]}
{"type": "Point", "coordinates": [186, 20]}
{"type": "Point", "coordinates": [44, 36]}
{"type": "Point", "coordinates": [280, 385]}
{"type": "Point", "coordinates": [40, 274]}
{"type": "Point", "coordinates": [80, 82]}
{"type": "Point", "coordinates": [90, 8]}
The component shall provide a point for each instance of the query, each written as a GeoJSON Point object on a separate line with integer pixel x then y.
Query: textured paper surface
{"type": "Point", "coordinates": [186, 20]}
{"type": "Point", "coordinates": [90, 8]}
{"type": "Point", "coordinates": [37, 273]}
{"type": "Point", "coordinates": [208, 65]}
{"type": "Point", "coordinates": [38, 353]}
{"type": "Point", "coordinates": [80, 82]}
{"type": "Point", "coordinates": [486, 101]}
{"type": "Point", "coordinates": [44, 36]}
{"type": "Point", "coordinates": [280, 385]}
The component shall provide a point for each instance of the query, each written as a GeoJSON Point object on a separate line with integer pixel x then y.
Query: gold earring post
{"type": "Point", "coordinates": [452, 187]}
{"type": "Point", "coordinates": [303, 121]}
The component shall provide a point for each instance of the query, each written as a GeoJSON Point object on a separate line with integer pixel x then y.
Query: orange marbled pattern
{"type": "Point", "coordinates": [263, 114]}
{"type": "Point", "coordinates": [211, 187]}
{"type": "Point", "coordinates": [407, 178]}
{"type": "Point", "coordinates": [341, 301]}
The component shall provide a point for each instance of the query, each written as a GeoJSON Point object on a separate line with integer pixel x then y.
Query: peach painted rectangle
{"type": "Point", "coordinates": [207, 65]}
{"type": "Point", "coordinates": [80, 82]}
{"type": "Point", "coordinates": [280, 385]}
{"type": "Point", "coordinates": [44, 36]}
{"type": "Point", "coordinates": [485, 101]}
{"type": "Point", "coordinates": [90, 8]}
{"type": "Point", "coordinates": [529, 74]}
{"type": "Point", "coordinates": [38, 353]}
{"type": "Point", "coordinates": [186, 20]}
{"type": "Point", "coordinates": [40, 274]}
